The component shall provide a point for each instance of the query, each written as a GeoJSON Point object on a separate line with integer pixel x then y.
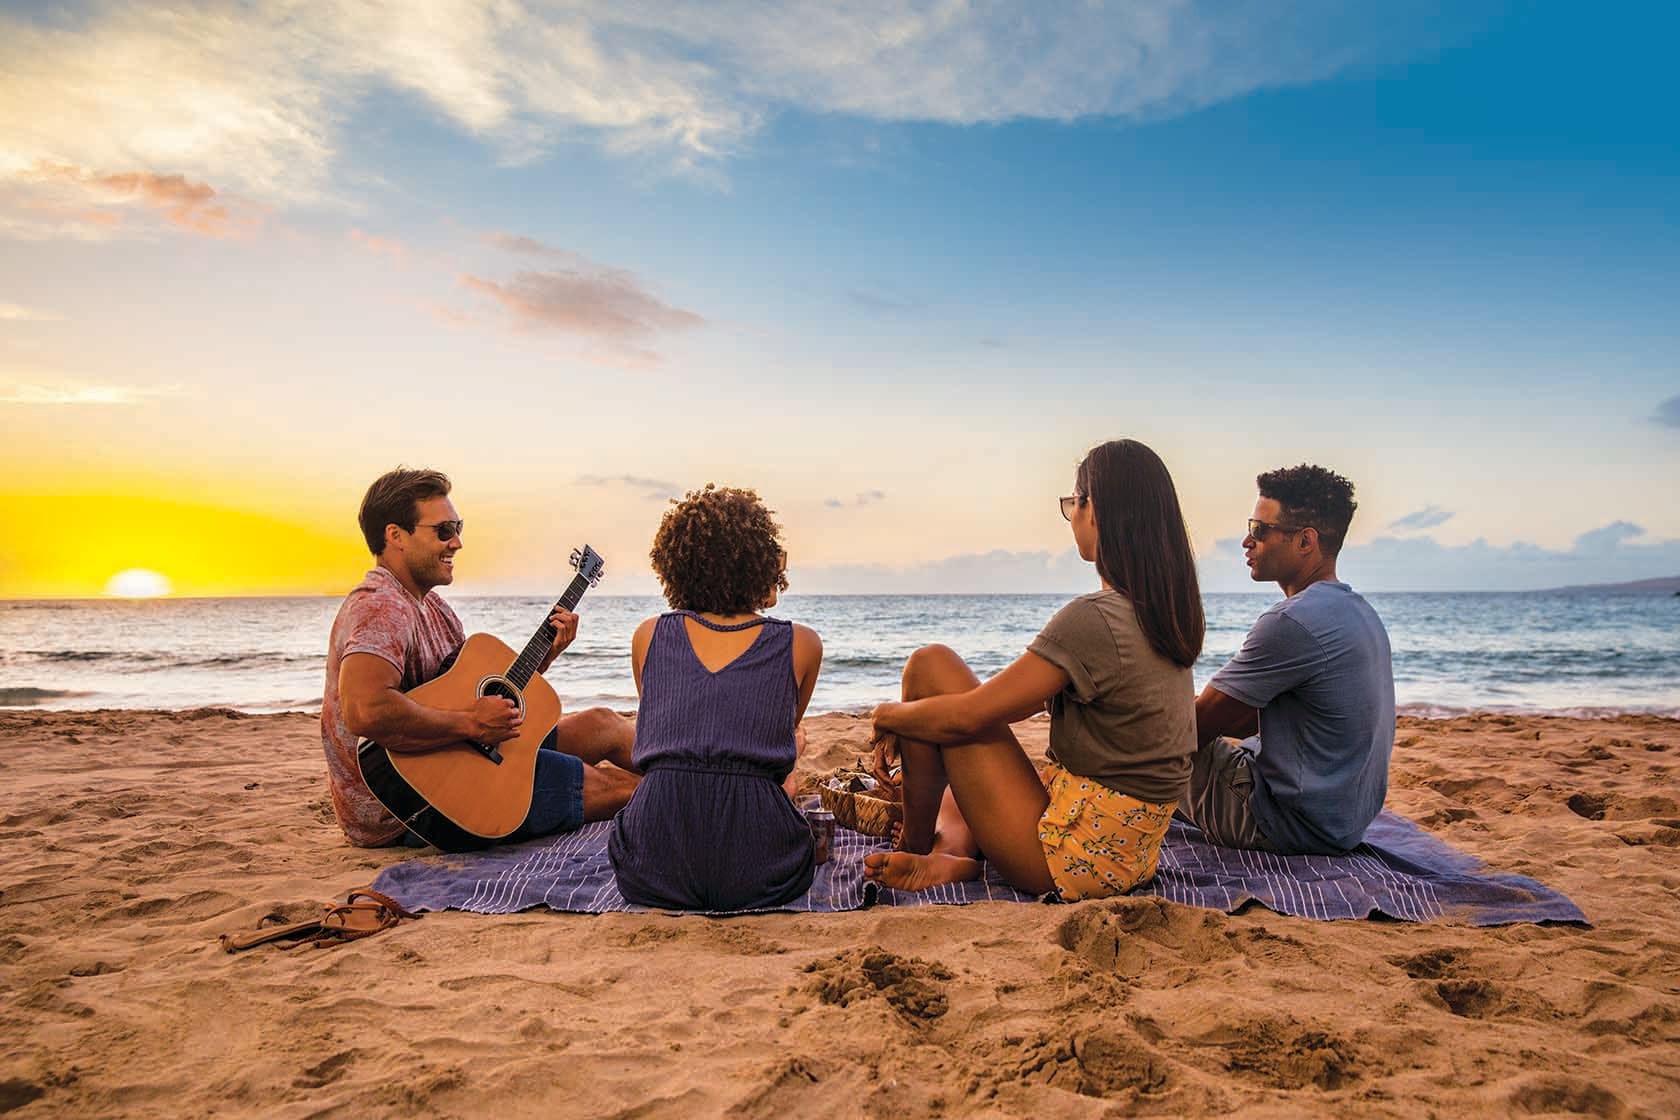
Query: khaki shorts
{"type": "Point", "coordinates": [1098, 842]}
{"type": "Point", "coordinates": [1221, 792]}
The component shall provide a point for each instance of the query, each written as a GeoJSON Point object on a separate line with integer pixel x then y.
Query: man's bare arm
{"type": "Point", "coordinates": [1219, 714]}
{"type": "Point", "coordinates": [376, 708]}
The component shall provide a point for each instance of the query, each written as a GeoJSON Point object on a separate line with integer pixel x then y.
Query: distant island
{"type": "Point", "coordinates": [1669, 585]}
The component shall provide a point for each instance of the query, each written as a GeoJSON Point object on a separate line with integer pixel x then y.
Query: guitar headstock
{"type": "Point", "coordinates": [588, 564]}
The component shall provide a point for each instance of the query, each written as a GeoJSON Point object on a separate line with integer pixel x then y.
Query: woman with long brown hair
{"type": "Point", "coordinates": [1113, 670]}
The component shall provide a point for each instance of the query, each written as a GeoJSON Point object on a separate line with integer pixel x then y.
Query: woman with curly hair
{"type": "Point", "coordinates": [1112, 668]}
{"type": "Point", "coordinates": [723, 688]}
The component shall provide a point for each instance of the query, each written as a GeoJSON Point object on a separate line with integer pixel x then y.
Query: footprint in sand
{"type": "Point", "coordinates": [1558, 1096]}
{"type": "Point", "coordinates": [911, 986]}
{"type": "Point", "coordinates": [1599, 807]}
{"type": "Point", "coordinates": [1135, 937]}
{"type": "Point", "coordinates": [1096, 1061]}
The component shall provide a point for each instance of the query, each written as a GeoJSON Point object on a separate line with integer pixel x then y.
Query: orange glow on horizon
{"type": "Point", "coordinates": [71, 547]}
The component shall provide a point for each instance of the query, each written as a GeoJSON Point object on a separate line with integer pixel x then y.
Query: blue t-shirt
{"type": "Point", "coordinates": [1317, 666]}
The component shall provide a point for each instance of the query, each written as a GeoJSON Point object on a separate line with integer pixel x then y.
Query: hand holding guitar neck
{"type": "Point", "coordinates": [565, 626]}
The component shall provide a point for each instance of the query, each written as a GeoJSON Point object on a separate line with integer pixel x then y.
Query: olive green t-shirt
{"type": "Point", "coordinates": [1128, 715]}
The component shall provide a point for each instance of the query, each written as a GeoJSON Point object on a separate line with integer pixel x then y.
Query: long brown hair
{"type": "Point", "coordinates": [1143, 548]}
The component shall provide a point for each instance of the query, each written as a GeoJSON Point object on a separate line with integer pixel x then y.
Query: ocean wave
{"type": "Point", "coordinates": [32, 697]}
{"type": "Point", "coordinates": [1450, 711]}
{"type": "Point", "coordinates": [150, 661]}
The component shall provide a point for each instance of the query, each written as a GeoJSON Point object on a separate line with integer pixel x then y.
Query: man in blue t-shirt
{"type": "Point", "coordinates": [1296, 730]}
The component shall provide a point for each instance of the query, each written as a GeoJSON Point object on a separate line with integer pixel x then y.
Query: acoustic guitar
{"type": "Point", "coordinates": [469, 795]}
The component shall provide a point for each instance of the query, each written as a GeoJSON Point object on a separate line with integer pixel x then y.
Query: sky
{"type": "Point", "coordinates": [896, 267]}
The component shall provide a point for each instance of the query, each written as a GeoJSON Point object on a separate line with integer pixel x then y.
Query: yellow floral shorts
{"type": "Point", "coordinates": [1098, 842]}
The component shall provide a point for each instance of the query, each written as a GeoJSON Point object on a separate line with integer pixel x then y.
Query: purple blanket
{"type": "Point", "coordinates": [1400, 871]}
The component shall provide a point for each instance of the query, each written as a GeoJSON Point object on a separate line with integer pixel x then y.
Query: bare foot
{"type": "Point", "coordinates": [903, 871]}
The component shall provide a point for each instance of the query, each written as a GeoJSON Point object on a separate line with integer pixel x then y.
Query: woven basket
{"type": "Point", "coordinates": [860, 810]}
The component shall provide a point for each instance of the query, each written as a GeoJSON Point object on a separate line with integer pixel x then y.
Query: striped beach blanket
{"type": "Point", "coordinates": [1400, 872]}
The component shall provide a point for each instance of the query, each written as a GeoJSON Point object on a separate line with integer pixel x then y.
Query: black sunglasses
{"type": "Point", "coordinates": [1071, 503]}
{"type": "Point", "coordinates": [1258, 529]}
{"type": "Point", "coordinates": [446, 530]}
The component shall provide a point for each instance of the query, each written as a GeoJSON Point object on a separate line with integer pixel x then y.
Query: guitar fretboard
{"type": "Point", "coordinates": [525, 665]}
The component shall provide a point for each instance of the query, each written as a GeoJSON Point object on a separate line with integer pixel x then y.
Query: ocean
{"type": "Point", "coordinates": [1592, 653]}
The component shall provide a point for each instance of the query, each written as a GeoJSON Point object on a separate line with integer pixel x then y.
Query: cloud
{"type": "Point", "coordinates": [606, 304]}
{"type": "Point", "coordinates": [70, 393]}
{"type": "Point", "coordinates": [16, 313]}
{"type": "Point", "coordinates": [261, 95]}
{"type": "Point", "coordinates": [379, 246]}
{"type": "Point", "coordinates": [657, 489]}
{"type": "Point", "coordinates": [1420, 563]}
{"type": "Point", "coordinates": [1668, 413]}
{"type": "Point", "coordinates": [882, 305]}
{"type": "Point", "coordinates": [529, 246]}
{"type": "Point", "coordinates": [1426, 518]}
{"type": "Point", "coordinates": [864, 498]}
{"type": "Point", "coordinates": [1605, 540]}
{"type": "Point", "coordinates": [187, 205]}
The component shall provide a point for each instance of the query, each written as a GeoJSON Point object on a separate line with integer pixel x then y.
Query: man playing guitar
{"type": "Point", "coordinates": [394, 633]}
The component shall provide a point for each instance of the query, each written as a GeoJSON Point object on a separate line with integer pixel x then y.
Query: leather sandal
{"type": "Point", "coordinates": [364, 912]}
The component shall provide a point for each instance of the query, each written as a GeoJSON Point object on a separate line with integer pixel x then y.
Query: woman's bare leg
{"type": "Point", "coordinates": [963, 798]}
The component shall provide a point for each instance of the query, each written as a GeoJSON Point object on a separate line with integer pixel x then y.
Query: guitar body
{"type": "Point", "coordinates": [455, 797]}
{"type": "Point", "coordinates": [466, 795]}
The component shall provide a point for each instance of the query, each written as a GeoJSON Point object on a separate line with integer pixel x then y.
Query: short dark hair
{"type": "Point", "coordinates": [1313, 496]}
{"type": "Point", "coordinates": [394, 499]}
{"type": "Point", "coordinates": [1143, 547]}
{"type": "Point", "coordinates": [719, 550]}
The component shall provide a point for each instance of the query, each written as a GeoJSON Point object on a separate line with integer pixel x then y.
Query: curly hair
{"type": "Point", "coordinates": [394, 499]}
{"type": "Point", "coordinates": [719, 551]}
{"type": "Point", "coordinates": [1313, 496]}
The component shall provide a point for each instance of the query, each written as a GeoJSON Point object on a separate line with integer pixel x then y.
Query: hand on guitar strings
{"type": "Point", "coordinates": [565, 625]}
{"type": "Point", "coordinates": [498, 719]}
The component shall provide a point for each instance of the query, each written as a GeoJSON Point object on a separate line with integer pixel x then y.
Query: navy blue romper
{"type": "Point", "coordinates": [710, 827]}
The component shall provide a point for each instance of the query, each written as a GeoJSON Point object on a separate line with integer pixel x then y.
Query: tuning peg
{"type": "Point", "coordinates": [577, 557]}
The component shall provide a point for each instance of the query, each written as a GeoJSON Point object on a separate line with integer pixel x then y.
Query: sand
{"type": "Point", "coordinates": [131, 839]}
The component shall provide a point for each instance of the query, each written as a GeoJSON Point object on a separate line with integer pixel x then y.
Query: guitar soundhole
{"type": "Point", "coordinates": [498, 686]}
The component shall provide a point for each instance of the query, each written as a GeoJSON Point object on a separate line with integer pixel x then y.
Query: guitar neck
{"type": "Point", "coordinates": [525, 667]}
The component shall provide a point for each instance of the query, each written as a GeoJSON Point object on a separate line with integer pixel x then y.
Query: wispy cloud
{"type": "Point", "coordinates": [1668, 413]}
{"type": "Point", "coordinates": [655, 489]}
{"type": "Point", "coordinates": [864, 498]}
{"type": "Point", "coordinates": [187, 205]}
{"type": "Point", "coordinates": [608, 305]}
{"type": "Point", "coordinates": [258, 97]}
{"type": "Point", "coordinates": [1426, 518]}
{"type": "Point", "coordinates": [16, 313]}
{"type": "Point", "coordinates": [379, 246]}
{"type": "Point", "coordinates": [72, 393]}
{"type": "Point", "coordinates": [529, 246]}
{"type": "Point", "coordinates": [878, 304]}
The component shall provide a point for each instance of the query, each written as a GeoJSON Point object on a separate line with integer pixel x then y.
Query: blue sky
{"type": "Point", "coordinates": [895, 268]}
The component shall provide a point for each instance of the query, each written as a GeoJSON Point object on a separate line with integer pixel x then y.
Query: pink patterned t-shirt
{"type": "Point", "coordinates": [416, 635]}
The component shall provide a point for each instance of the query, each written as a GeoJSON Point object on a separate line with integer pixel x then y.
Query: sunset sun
{"type": "Point", "coordinates": [138, 583]}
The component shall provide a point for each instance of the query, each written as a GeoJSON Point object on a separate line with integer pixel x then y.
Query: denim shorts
{"type": "Point", "coordinates": [556, 800]}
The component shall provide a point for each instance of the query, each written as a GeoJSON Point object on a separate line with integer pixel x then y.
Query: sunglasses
{"type": "Point", "coordinates": [446, 530]}
{"type": "Point", "coordinates": [1258, 529]}
{"type": "Point", "coordinates": [1071, 503]}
